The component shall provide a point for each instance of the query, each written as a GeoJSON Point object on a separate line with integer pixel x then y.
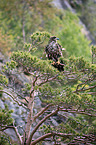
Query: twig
{"type": "Point", "coordinates": [47, 80]}
{"type": "Point", "coordinates": [33, 85]}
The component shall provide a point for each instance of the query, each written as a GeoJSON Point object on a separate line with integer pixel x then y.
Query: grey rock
{"type": "Point", "coordinates": [1, 57]}
{"type": "Point", "coordinates": [2, 104]}
{"type": "Point", "coordinates": [12, 134]}
{"type": "Point", "coordinates": [54, 122]}
{"type": "Point", "coordinates": [37, 103]}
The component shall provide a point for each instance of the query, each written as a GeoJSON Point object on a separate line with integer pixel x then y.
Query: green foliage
{"type": "Point", "coordinates": [5, 120]}
{"type": "Point", "coordinates": [93, 49]}
{"type": "Point", "coordinates": [72, 38]}
{"type": "Point", "coordinates": [28, 86]}
{"type": "Point", "coordinates": [11, 65]}
{"type": "Point", "coordinates": [17, 14]}
{"type": "Point", "coordinates": [47, 91]}
{"type": "Point", "coordinates": [26, 60]}
{"type": "Point", "coordinates": [3, 82]}
{"type": "Point", "coordinates": [5, 116]}
{"type": "Point", "coordinates": [46, 128]}
{"type": "Point", "coordinates": [3, 79]}
{"type": "Point", "coordinates": [38, 39]}
{"type": "Point", "coordinates": [76, 64]}
{"type": "Point", "coordinates": [4, 140]}
{"type": "Point", "coordinates": [40, 36]}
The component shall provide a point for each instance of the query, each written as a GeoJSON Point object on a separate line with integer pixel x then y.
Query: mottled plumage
{"type": "Point", "coordinates": [53, 49]}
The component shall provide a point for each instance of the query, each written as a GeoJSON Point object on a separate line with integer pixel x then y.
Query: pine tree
{"type": "Point", "coordinates": [69, 95]}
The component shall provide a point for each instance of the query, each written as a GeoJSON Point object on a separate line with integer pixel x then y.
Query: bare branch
{"type": "Point", "coordinates": [20, 104]}
{"type": "Point", "coordinates": [15, 129]}
{"type": "Point", "coordinates": [47, 80]}
{"type": "Point", "coordinates": [41, 112]}
{"type": "Point", "coordinates": [33, 84]}
{"type": "Point", "coordinates": [49, 135]}
{"type": "Point", "coordinates": [41, 138]}
{"type": "Point", "coordinates": [91, 93]}
{"type": "Point", "coordinates": [77, 112]}
{"type": "Point", "coordinates": [38, 125]}
{"type": "Point", "coordinates": [22, 97]}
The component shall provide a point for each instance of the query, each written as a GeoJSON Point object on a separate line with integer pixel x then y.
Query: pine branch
{"type": "Point", "coordinates": [35, 41]}
{"type": "Point", "coordinates": [78, 112]}
{"type": "Point", "coordinates": [83, 83]}
{"type": "Point", "coordinates": [80, 90]}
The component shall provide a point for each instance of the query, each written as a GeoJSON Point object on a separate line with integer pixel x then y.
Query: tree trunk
{"type": "Point", "coordinates": [23, 28]}
{"type": "Point", "coordinates": [23, 19]}
{"type": "Point", "coordinates": [29, 119]}
{"type": "Point", "coordinates": [30, 115]}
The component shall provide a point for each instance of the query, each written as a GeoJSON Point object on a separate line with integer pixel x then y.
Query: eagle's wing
{"type": "Point", "coordinates": [49, 50]}
{"type": "Point", "coordinates": [58, 49]}
{"type": "Point", "coordinates": [49, 47]}
{"type": "Point", "coordinates": [53, 51]}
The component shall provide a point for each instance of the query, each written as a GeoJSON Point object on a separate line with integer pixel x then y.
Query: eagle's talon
{"type": "Point", "coordinates": [53, 63]}
{"type": "Point", "coordinates": [58, 62]}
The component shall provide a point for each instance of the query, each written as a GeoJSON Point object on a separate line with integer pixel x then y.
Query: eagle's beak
{"type": "Point", "coordinates": [57, 38]}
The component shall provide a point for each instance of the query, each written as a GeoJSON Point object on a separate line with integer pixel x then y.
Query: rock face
{"type": "Point", "coordinates": [1, 57]}
{"type": "Point", "coordinates": [16, 83]}
{"type": "Point", "coordinates": [64, 4]}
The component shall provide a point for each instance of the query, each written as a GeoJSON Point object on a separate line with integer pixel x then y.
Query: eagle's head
{"type": "Point", "coordinates": [53, 38]}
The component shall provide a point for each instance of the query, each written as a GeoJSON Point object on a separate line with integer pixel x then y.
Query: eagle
{"type": "Point", "coordinates": [53, 49]}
